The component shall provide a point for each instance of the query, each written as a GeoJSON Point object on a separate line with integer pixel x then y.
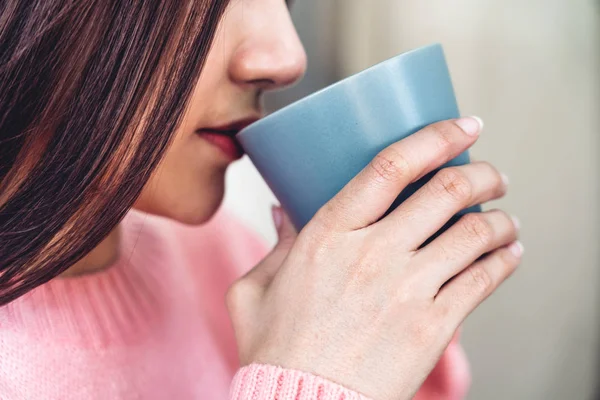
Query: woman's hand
{"type": "Point", "coordinates": [353, 298]}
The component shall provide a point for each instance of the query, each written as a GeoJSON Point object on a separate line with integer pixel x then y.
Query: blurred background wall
{"type": "Point", "coordinates": [531, 70]}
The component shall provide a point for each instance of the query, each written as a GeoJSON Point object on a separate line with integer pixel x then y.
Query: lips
{"type": "Point", "coordinates": [223, 137]}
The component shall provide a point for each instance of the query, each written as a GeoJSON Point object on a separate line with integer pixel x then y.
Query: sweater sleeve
{"type": "Point", "coordinates": [449, 380]}
{"type": "Point", "coordinates": [267, 382]}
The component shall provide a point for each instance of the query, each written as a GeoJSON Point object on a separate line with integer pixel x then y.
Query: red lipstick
{"type": "Point", "coordinates": [223, 137]}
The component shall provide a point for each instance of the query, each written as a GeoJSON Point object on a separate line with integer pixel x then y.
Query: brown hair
{"type": "Point", "coordinates": [90, 94]}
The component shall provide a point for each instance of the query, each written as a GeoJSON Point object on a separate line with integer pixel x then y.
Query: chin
{"type": "Point", "coordinates": [187, 208]}
{"type": "Point", "coordinates": [197, 215]}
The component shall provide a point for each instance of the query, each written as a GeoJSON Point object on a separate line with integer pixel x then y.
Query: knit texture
{"type": "Point", "coordinates": [155, 326]}
{"type": "Point", "coordinates": [269, 382]}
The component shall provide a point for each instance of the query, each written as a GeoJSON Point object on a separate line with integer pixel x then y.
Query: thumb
{"type": "Point", "coordinates": [244, 296]}
{"type": "Point", "coordinates": [285, 230]}
{"type": "Point", "coordinates": [263, 273]}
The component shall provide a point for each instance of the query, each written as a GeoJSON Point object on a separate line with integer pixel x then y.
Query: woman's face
{"type": "Point", "coordinates": [256, 48]}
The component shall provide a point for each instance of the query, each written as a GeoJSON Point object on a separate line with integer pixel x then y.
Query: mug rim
{"type": "Point", "coordinates": [335, 85]}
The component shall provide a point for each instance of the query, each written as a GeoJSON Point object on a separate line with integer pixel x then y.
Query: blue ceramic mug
{"type": "Point", "coordinates": [309, 150]}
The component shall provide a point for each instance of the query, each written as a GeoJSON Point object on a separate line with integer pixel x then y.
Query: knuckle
{"type": "Point", "coordinates": [452, 183]}
{"type": "Point", "coordinates": [480, 281]}
{"type": "Point", "coordinates": [365, 266]}
{"type": "Point", "coordinates": [423, 331]}
{"type": "Point", "coordinates": [389, 166]}
{"type": "Point", "coordinates": [316, 240]}
{"type": "Point", "coordinates": [412, 284]}
{"type": "Point", "coordinates": [478, 229]}
{"type": "Point", "coordinates": [322, 221]}
{"type": "Point", "coordinates": [444, 311]}
{"type": "Point", "coordinates": [362, 273]}
{"type": "Point", "coordinates": [326, 220]}
{"type": "Point", "coordinates": [445, 131]}
{"type": "Point", "coordinates": [448, 319]}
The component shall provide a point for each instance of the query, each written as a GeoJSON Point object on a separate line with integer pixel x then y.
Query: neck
{"type": "Point", "coordinates": [100, 258]}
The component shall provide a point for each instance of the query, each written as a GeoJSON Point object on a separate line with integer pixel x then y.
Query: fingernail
{"type": "Point", "coordinates": [470, 125]}
{"type": "Point", "coordinates": [505, 179]}
{"type": "Point", "coordinates": [277, 217]}
{"type": "Point", "coordinates": [517, 249]}
{"type": "Point", "coordinates": [516, 222]}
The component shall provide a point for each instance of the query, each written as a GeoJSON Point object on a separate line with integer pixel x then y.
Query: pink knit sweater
{"type": "Point", "coordinates": [154, 326]}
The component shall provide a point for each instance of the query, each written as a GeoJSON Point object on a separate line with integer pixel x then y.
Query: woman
{"type": "Point", "coordinates": [103, 110]}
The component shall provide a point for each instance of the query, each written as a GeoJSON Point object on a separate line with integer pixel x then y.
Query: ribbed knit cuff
{"type": "Point", "coordinates": [267, 382]}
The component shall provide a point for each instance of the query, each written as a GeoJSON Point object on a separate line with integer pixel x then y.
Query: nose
{"type": "Point", "coordinates": [270, 56]}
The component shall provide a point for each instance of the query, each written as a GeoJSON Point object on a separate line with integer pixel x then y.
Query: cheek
{"type": "Point", "coordinates": [187, 186]}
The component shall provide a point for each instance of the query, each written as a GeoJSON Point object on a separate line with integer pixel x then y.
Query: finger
{"type": "Point", "coordinates": [459, 297]}
{"type": "Point", "coordinates": [448, 192]}
{"type": "Point", "coordinates": [286, 232]}
{"type": "Point", "coordinates": [462, 244]}
{"type": "Point", "coordinates": [263, 273]}
{"type": "Point", "coordinates": [369, 195]}
{"type": "Point", "coordinates": [246, 293]}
